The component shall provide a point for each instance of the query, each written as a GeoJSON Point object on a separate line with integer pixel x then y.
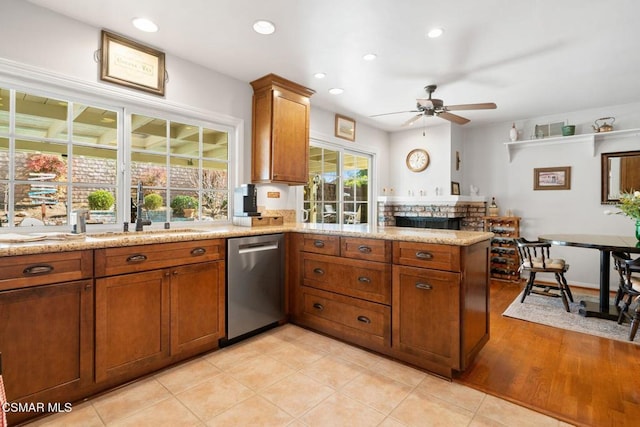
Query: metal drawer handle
{"type": "Point", "coordinates": [424, 255]}
{"type": "Point", "coordinates": [198, 251]}
{"type": "Point", "coordinates": [318, 244]}
{"type": "Point", "coordinates": [425, 286]}
{"type": "Point", "coordinates": [318, 306]}
{"type": "Point", "coordinates": [364, 319]}
{"type": "Point", "coordinates": [137, 258]}
{"type": "Point", "coordinates": [364, 279]}
{"type": "Point", "coordinates": [364, 249]}
{"type": "Point", "coordinates": [38, 269]}
{"type": "Point", "coordinates": [318, 270]}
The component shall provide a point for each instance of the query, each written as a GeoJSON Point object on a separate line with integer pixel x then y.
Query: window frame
{"type": "Point", "coordinates": [31, 80]}
{"type": "Point", "coordinates": [342, 150]}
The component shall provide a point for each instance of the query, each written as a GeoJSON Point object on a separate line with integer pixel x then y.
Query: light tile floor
{"type": "Point", "coordinates": [293, 377]}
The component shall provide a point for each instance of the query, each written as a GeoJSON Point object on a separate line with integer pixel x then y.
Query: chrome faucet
{"type": "Point", "coordinates": [79, 221]}
{"type": "Point", "coordinates": [140, 223]}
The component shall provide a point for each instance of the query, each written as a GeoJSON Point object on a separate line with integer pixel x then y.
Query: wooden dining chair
{"type": "Point", "coordinates": [628, 290]}
{"type": "Point", "coordinates": [535, 258]}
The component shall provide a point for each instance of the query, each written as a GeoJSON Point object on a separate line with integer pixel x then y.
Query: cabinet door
{"type": "Point", "coordinates": [46, 341]}
{"type": "Point", "coordinates": [132, 324]}
{"type": "Point", "coordinates": [290, 133]}
{"type": "Point", "coordinates": [197, 307]}
{"type": "Point", "coordinates": [426, 314]}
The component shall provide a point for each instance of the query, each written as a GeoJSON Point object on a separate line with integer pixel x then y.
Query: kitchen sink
{"type": "Point", "coordinates": [145, 233]}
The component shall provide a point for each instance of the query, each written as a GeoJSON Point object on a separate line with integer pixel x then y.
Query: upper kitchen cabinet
{"type": "Point", "coordinates": [280, 140]}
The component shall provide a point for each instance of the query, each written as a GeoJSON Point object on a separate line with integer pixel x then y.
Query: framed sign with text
{"type": "Point", "coordinates": [131, 64]}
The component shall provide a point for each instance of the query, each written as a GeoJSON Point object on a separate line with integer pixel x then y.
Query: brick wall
{"type": "Point", "coordinates": [471, 213]}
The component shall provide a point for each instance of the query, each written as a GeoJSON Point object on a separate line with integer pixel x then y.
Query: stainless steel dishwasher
{"type": "Point", "coordinates": [255, 284]}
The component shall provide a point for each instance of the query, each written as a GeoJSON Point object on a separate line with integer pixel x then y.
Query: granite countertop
{"type": "Point", "coordinates": [34, 243]}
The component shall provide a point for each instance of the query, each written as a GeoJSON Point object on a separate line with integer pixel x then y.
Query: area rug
{"type": "Point", "coordinates": [550, 311]}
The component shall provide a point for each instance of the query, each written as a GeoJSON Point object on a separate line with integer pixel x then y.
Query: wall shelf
{"type": "Point", "coordinates": [590, 139]}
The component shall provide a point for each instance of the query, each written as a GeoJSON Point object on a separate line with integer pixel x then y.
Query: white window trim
{"type": "Point", "coordinates": [322, 143]}
{"type": "Point", "coordinates": [28, 78]}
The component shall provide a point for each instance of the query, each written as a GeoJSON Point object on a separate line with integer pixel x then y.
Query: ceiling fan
{"type": "Point", "coordinates": [435, 107]}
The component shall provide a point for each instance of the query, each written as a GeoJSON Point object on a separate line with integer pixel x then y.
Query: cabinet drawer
{"type": "Point", "coordinates": [361, 279]}
{"type": "Point", "coordinates": [369, 249]}
{"type": "Point", "coordinates": [112, 261]}
{"type": "Point", "coordinates": [347, 317]}
{"type": "Point", "coordinates": [33, 270]}
{"type": "Point", "coordinates": [439, 257]}
{"type": "Point", "coordinates": [321, 244]}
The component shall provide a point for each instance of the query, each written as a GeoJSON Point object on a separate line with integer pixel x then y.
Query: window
{"type": "Point", "coordinates": [338, 187]}
{"type": "Point", "coordinates": [55, 155]}
{"type": "Point", "coordinates": [182, 169]}
{"type": "Point", "coordinates": [59, 155]}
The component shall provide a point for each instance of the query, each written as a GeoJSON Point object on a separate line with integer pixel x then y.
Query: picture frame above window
{"type": "Point", "coordinates": [345, 128]}
{"type": "Point", "coordinates": [132, 64]}
{"type": "Point", "coordinates": [553, 178]}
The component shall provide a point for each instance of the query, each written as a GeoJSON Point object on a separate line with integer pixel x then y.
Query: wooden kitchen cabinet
{"type": "Point", "coordinates": [423, 303]}
{"type": "Point", "coordinates": [148, 317]}
{"type": "Point", "coordinates": [46, 330]}
{"type": "Point", "coordinates": [426, 306]}
{"type": "Point", "coordinates": [343, 290]}
{"type": "Point", "coordinates": [440, 304]}
{"type": "Point", "coordinates": [280, 139]}
{"type": "Point", "coordinates": [132, 324]}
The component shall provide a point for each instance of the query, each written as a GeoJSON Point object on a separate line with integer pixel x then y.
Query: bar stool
{"type": "Point", "coordinates": [535, 258]}
{"type": "Point", "coordinates": [628, 290]}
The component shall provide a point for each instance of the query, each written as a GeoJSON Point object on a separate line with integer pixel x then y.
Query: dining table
{"type": "Point", "coordinates": [605, 244]}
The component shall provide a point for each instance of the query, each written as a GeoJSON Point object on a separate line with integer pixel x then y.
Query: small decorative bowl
{"type": "Point", "coordinates": [568, 130]}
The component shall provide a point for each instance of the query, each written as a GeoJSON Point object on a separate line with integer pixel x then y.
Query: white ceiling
{"type": "Point", "coordinates": [532, 58]}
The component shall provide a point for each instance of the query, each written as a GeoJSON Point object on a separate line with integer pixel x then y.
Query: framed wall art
{"type": "Point", "coordinates": [345, 128]}
{"type": "Point", "coordinates": [555, 178]}
{"type": "Point", "coordinates": [132, 64]}
{"type": "Point", "coordinates": [455, 188]}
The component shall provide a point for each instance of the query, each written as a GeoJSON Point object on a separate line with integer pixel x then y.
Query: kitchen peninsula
{"type": "Point", "coordinates": [75, 305]}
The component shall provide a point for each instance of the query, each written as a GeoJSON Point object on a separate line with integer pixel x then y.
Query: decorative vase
{"type": "Point", "coordinates": [513, 133]}
{"type": "Point", "coordinates": [638, 230]}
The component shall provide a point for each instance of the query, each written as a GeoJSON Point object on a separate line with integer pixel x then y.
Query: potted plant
{"type": "Point", "coordinates": [152, 201]}
{"type": "Point", "coordinates": [184, 206]}
{"type": "Point", "coordinates": [101, 200]}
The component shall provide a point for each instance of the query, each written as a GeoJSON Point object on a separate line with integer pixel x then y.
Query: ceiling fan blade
{"type": "Point", "coordinates": [453, 118]}
{"type": "Point", "coordinates": [482, 106]}
{"type": "Point", "coordinates": [412, 119]}
{"type": "Point", "coordinates": [396, 112]}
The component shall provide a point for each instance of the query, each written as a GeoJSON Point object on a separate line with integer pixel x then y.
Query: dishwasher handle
{"type": "Point", "coordinates": [257, 247]}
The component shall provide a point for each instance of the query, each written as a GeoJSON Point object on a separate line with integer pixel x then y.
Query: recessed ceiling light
{"type": "Point", "coordinates": [369, 56]}
{"type": "Point", "coordinates": [264, 27]}
{"type": "Point", "coordinates": [320, 75]}
{"type": "Point", "coordinates": [144, 24]}
{"type": "Point", "coordinates": [435, 32]}
{"type": "Point", "coordinates": [336, 91]}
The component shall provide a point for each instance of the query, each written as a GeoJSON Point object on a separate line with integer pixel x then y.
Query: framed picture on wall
{"type": "Point", "coordinates": [131, 64]}
{"type": "Point", "coordinates": [345, 128]}
{"type": "Point", "coordinates": [555, 178]}
{"type": "Point", "coordinates": [455, 188]}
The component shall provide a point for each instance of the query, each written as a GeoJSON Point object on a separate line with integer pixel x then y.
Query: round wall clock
{"type": "Point", "coordinates": [417, 160]}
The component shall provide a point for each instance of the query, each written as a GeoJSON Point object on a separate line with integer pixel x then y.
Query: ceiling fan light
{"type": "Point", "coordinates": [336, 91]}
{"type": "Point", "coordinates": [435, 32]}
{"type": "Point", "coordinates": [262, 26]}
{"type": "Point", "coordinates": [144, 24]}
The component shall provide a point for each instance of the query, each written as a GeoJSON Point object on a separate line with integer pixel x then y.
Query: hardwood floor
{"type": "Point", "coordinates": [581, 379]}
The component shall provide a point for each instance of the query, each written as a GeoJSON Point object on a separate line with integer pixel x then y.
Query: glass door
{"type": "Point", "coordinates": [337, 191]}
